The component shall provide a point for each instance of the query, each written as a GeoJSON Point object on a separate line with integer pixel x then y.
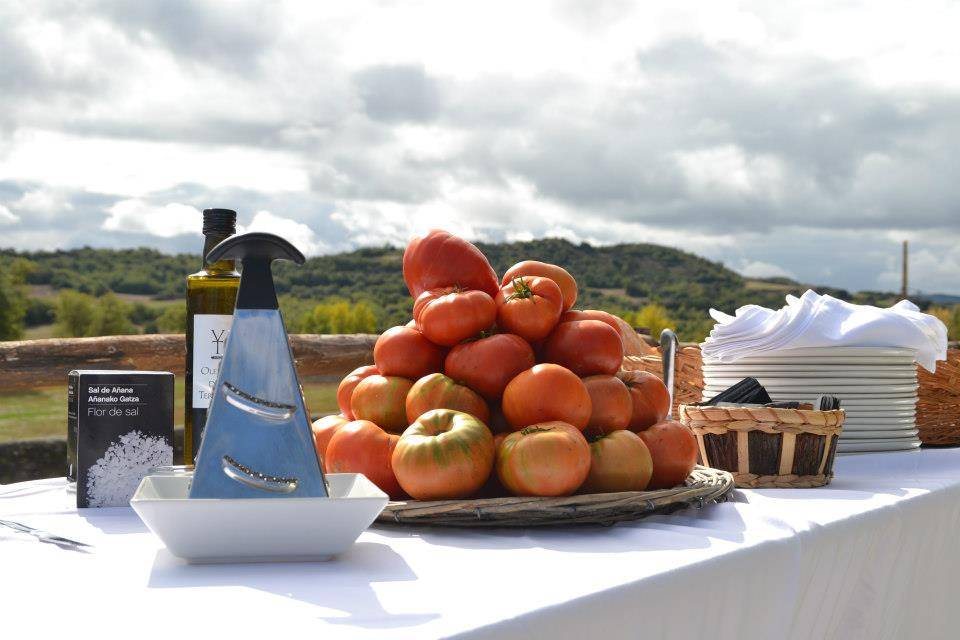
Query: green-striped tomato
{"type": "Point", "coordinates": [546, 459]}
{"type": "Point", "coordinates": [444, 454]}
{"type": "Point", "coordinates": [620, 462]}
{"type": "Point", "coordinates": [382, 400]}
{"type": "Point", "coordinates": [437, 391]}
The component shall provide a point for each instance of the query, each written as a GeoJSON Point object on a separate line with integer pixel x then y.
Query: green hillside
{"type": "Point", "coordinates": [618, 278]}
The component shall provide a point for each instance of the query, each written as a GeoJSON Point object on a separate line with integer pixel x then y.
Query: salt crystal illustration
{"type": "Point", "coordinates": [112, 480]}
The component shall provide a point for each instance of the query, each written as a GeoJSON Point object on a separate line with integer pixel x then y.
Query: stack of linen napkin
{"type": "Point", "coordinates": [813, 320]}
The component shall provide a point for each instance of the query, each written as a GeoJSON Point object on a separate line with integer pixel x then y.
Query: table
{"type": "Point", "coordinates": [874, 555]}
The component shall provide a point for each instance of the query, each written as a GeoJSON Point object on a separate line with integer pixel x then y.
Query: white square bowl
{"type": "Point", "coordinates": [202, 530]}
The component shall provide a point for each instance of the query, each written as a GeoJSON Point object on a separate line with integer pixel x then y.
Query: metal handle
{"type": "Point", "coordinates": [668, 353]}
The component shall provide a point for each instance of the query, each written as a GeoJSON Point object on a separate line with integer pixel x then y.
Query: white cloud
{"type": "Point", "coordinates": [7, 216]}
{"type": "Point", "coordinates": [299, 234]}
{"type": "Point", "coordinates": [758, 269]}
{"type": "Point", "coordinates": [43, 204]}
{"type": "Point", "coordinates": [164, 221]}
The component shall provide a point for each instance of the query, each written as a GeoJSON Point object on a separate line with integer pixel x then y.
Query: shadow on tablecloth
{"type": "Point", "coordinates": [342, 584]}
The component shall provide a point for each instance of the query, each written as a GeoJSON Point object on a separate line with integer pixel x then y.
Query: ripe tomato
{"type": "Point", "coordinates": [440, 259]}
{"type": "Point", "coordinates": [529, 307]}
{"type": "Point", "coordinates": [450, 315]}
{"type": "Point", "coordinates": [363, 447]}
{"type": "Point", "coordinates": [323, 429]}
{"type": "Point", "coordinates": [348, 384]}
{"type": "Point", "coordinates": [558, 274]}
{"type": "Point", "coordinates": [546, 459]}
{"type": "Point", "coordinates": [586, 347]}
{"type": "Point", "coordinates": [673, 448]}
{"type": "Point", "coordinates": [437, 391]}
{"type": "Point", "coordinates": [488, 364]}
{"type": "Point", "coordinates": [651, 401]}
{"type": "Point", "coordinates": [620, 461]}
{"type": "Point", "coordinates": [575, 315]}
{"type": "Point", "coordinates": [543, 393]}
{"type": "Point", "coordinates": [611, 401]}
{"type": "Point", "coordinates": [382, 400]}
{"type": "Point", "coordinates": [444, 454]}
{"type": "Point", "coordinates": [402, 351]}
{"type": "Point", "coordinates": [633, 344]}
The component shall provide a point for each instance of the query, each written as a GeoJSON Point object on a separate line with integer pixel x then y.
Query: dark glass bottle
{"type": "Point", "coordinates": [211, 296]}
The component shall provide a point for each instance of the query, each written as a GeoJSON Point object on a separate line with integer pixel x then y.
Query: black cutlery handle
{"type": "Point", "coordinates": [256, 251]}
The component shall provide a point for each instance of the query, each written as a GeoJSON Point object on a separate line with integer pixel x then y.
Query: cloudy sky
{"type": "Point", "coordinates": [782, 138]}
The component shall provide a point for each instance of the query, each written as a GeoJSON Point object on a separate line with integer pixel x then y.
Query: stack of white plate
{"type": "Point", "coordinates": [877, 387]}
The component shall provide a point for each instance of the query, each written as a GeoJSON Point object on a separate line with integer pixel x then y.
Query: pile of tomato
{"type": "Point", "coordinates": [499, 387]}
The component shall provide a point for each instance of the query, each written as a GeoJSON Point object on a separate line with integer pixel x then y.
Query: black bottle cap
{"type": "Point", "coordinates": [219, 222]}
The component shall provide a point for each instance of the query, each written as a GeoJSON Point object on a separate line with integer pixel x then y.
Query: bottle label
{"type": "Point", "coordinates": [210, 333]}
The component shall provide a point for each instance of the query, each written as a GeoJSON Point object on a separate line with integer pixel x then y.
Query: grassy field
{"type": "Point", "coordinates": [43, 412]}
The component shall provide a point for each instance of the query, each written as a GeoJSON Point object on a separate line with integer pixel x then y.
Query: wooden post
{"type": "Point", "coordinates": [35, 363]}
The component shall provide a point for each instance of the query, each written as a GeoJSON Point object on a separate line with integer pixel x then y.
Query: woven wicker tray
{"type": "Point", "coordinates": [704, 485]}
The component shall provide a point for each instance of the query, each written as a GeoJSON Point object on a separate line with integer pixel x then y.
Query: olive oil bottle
{"type": "Point", "coordinates": [211, 296]}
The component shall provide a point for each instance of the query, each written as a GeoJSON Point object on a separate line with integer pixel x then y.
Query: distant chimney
{"type": "Point", "coordinates": [903, 279]}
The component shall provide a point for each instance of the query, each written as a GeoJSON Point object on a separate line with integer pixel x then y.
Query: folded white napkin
{"type": "Point", "coordinates": [813, 320]}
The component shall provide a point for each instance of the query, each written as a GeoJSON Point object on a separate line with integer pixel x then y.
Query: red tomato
{"type": "Point", "coordinates": [529, 307]}
{"type": "Point", "coordinates": [405, 352]}
{"type": "Point", "coordinates": [558, 274]}
{"type": "Point", "coordinates": [363, 447]}
{"type": "Point", "coordinates": [620, 461]}
{"type": "Point", "coordinates": [323, 429]}
{"type": "Point", "coordinates": [440, 259]}
{"type": "Point", "coordinates": [437, 391]}
{"type": "Point", "coordinates": [444, 454]}
{"type": "Point", "coordinates": [673, 448]}
{"type": "Point", "coordinates": [383, 401]}
{"type": "Point", "coordinates": [586, 347]}
{"type": "Point", "coordinates": [575, 315]}
{"type": "Point", "coordinates": [651, 401]}
{"type": "Point", "coordinates": [544, 393]}
{"type": "Point", "coordinates": [546, 459]}
{"type": "Point", "coordinates": [488, 364]}
{"type": "Point", "coordinates": [611, 401]}
{"type": "Point", "coordinates": [448, 316]}
{"type": "Point", "coordinates": [348, 384]}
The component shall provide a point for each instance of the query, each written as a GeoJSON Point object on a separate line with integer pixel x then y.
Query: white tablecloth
{"type": "Point", "coordinates": [875, 555]}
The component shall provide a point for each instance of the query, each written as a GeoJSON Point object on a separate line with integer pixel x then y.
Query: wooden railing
{"type": "Point", "coordinates": [35, 363]}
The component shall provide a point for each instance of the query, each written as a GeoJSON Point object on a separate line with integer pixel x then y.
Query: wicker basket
{"type": "Point", "coordinates": [766, 447]}
{"type": "Point", "coordinates": [938, 407]}
{"type": "Point", "coordinates": [702, 486]}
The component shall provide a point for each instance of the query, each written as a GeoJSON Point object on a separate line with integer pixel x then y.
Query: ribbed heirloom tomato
{"type": "Point", "coordinates": [383, 401]}
{"type": "Point", "coordinates": [348, 384]}
{"type": "Point", "coordinates": [444, 454]}
{"type": "Point", "coordinates": [323, 429]}
{"type": "Point", "coordinates": [403, 351]}
{"type": "Point", "coordinates": [651, 401]}
{"type": "Point", "coordinates": [440, 259]}
{"type": "Point", "coordinates": [546, 459]}
{"type": "Point", "coordinates": [620, 461]}
{"type": "Point", "coordinates": [586, 347]}
{"type": "Point", "coordinates": [633, 344]}
{"type": "Point", "coordinates": [529, 307]}
{"type": "Point", "coordinates": [363, 447]}
{"type": "Point", "coordinates": [488, 364]}
{"type": "Point", "coordinates": [673, 448]}
{"type": "Point", "coordinates": [437, 391]}
{"type": "Point", "coordinates": [611, 402]}
{"type": "Point", "coordinates": [546, 392]}
{"type": "Point", "coordinates": [450, 315]}
{"type": "Point", "coordinates": [566, 282]}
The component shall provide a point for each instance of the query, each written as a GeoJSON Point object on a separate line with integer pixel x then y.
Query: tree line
{"type": "Point", "coordinates": [89, 290]}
